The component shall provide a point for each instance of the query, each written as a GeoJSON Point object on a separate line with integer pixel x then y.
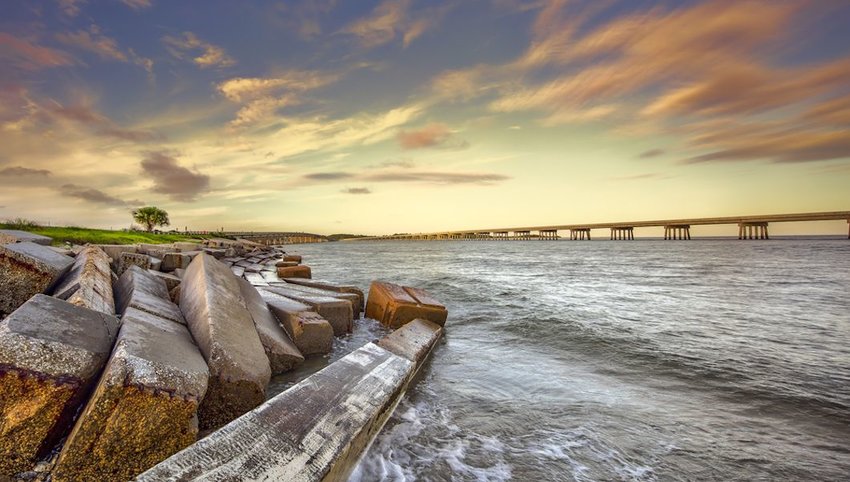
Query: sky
{"type": "Point", "coordinates": [381, 117]}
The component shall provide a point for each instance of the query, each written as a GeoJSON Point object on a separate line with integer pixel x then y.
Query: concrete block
{"type": "Point", "coordinates": [292, 257]}
{"type": "Point", "coordinates": [350, 297]}
{"type": "Point", "coordinates": [238, 271]}
{"type": "Point", "coordinates": [133, 259]}
{"type": "Point", "coordinates": [144, 408]}
{"type": "Point", "coordinates": [172, 261]}
{"type": "Point", "coordinates": [8, 236]}
{"type": "Point", "coordinates": [174, 294]}
{"type": "Point", "coordinates": [311, 333]}
{"type": "Point", "coordinates": [269, 276]}
{"type": "Point", "coordinates": [395, 305]}
{"type": "Point", "coordinates": [183, 246]}
{"type": "Point", "coordinates": [316, 430]}
{"type": "Point", "coordinates": [300, 271]}
{"type": "Point", "coordinates": [255, 279]}
{"type": "Point", "coordinates": [170, 280]}
{"type": "Point", "coordinates": [156, 264]}
{"type": "Point", "coordinates": [136, 279]}
{"type": "Point", "coordinates": [282, 353]}
{"type": "Point", "coordinates": [218, 319]}
{"type": "Point", "coordinates": [114, 251]}
{"type": "Point", "coordinates": [331, 286]}
{"type": "Point", "coordinates": [51, 353]}
{"type": "Point", "coordinates": [339, 313]}
{"type": "Point", "coordinates": [179, 273]}
{"type": "Point", "coordinates": [89, 282]}
{"type": "Point", "coordinates": [26, 269]}
{"type": "Point", "coordinates": [285, 264]}
{"type": "Point", "coordinates": [413, 341]}
{"type": "Point", "coordinates": [215, 253]}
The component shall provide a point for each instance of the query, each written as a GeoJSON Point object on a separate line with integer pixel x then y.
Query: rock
{"type": "Point", "coordinates": [316, 430]}
{"type": "Point", "coordinates": [311, 333]}
{"type": "Point", "coordinates": [114, 251]}
{"type": "Point", "coordinates": [172, 261]}
{"type": "Point", "coordinates": [300, 271]}
{"type": "Point", "coordinates": [170, 280]}
{"type": "Point", "coordinates": [26, 269]}
{"type": "Point", "coordinates": [133, 259]}
{"type": "Point", "coordinates": [89, 282]}
{"type": "Point", "coordinates": [51, 353]}
{"type": "Point", "coordinates": [331, 286]}
{"type": "Point", "coordinates": [339, 313]}
{"type": "Point", "coordinates": [395, 305]}
{"type": "Point", "coordinates": [212, 302]}
{"type": "Point", "coordinates": [145, 406]}
{"type": "Point", "coordinates": [282, 353]}
{"type": "Point", "coordinates": [413, 341]}
{"type": "Point", "coordinates": [8, 236]}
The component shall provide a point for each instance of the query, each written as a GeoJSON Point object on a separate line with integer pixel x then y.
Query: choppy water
{"type": "Point", "coordinates": [629, 360]}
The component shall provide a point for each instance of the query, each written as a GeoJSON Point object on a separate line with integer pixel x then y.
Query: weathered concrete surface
{"type": "Point", "coordinates": [314, 431]}
{"type": "Point", "coordinates": [292, 257]}
{"type": "Point", "coordinates": [331, 286]}
{"type": "Point", "coordinates": [89, 282]}
{"type": "Point", "coordinates": [26, 269]}
{"type": "Point", "coordinates": [285, 264]}
{"type": "Point", "coordinates": [339, 313]}
{"type": "Point", "coordinates": [114, 252]}
{"type": "Point", "coordinates": [133, 259]}
{"type": "Point", "coordinates": [184, 246]}
{"type": "Point", "coordinates": [255, 279]}
{"type": "Point", "coordinates": [172, 261]}
{"type": "Point", "coordinates": [394, 305]}
{"type": "Point", "coordinates": [311, 333]}
{"type": "Point", "coordinates": [413, 341]}
{"type": "Point", "coordinates": [212, 302]}
{"type": "Point", "coordinates": [174, 295]}
{"type": "Point", "coordinates": [142, 290]}
{"type": "Point", "coordinates": [145, 406]}
{"type": "Point", "coordinates": [352, 298]}
{"type": "Point", "coordinates": [300, 271]}
{"type": "Point", "coordinates": [51, 352]}
{"type": "Point", "coordinates": [8, 236]}
{"type": "Point", "coordinates": [170, 280]}
{"type": "Point", "coordinates": [282, 353]}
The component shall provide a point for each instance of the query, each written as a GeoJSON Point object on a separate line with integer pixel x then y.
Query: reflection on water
{"type": "Point", "coordinates": [640, 360]}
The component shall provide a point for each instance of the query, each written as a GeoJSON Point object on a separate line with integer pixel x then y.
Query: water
{"type": "Point", "coordinates": [629, 360]}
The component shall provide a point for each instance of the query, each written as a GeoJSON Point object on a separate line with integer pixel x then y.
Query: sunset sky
{"type": "Point", "coordinates": [414, 116]}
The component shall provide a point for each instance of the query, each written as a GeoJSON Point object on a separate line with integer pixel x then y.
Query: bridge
{"type": "Point", "coordinates": [749, 227]}
{"type": "Point", "coordinates": [266, 238]}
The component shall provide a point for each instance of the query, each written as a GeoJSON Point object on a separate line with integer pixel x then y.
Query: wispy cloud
{"type": "Point", "coordinates": [652, 153]}
{"type": "Point", "coordinates": [437, 177]}
{"type": "Point", "coordinates": [201, 53]}
{"type": "Point", "coordinates": [106, 48]}
{"type": "Point", "coordinates": [392, 19]}
{"type": "Point", "coordinates": [100, 124]}
{"type": "Point", "coordinates": [94, 196]}
{"type": "Point", "coordinates": [432, 135]}
{"type": "Point", "coordinates": [17, 171]}
{"type": "Point", "coordinates": [138, 4]}
{"type": "Point", "coordinates": [328, 176]}
{"type": "Point", "coordinates": [70, 8]}
{"type": "Point", "coordinates": [24, 54]}
{"type": "Point", "coordinates": [169, 177]}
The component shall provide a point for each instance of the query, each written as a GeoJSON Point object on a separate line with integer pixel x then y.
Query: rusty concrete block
{"type": "Point", "coordinates": [395, 305]}
{"type": "Point", "coordinates": [218, 319]}
{"type": "Point", "coordinates": [51, 353]}
{"type": "Point", "coordinates": [27, 269]}
{"type": "Point", "coordinates": [311, 333]}
{"type": "Point", "coordinates": [144, 408]}
{"type": "Point", "coordinates": [338, 312]}
{"type": "Point", "coordinates": [8, 236]}
{"type": "Point", "coordinates": [331, 286]}
{"type": "Point", "coordinates": [300, 271]}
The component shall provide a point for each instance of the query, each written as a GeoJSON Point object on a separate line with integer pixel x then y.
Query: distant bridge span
{"type": "Point", "coordinates": [269, 238]}
{"type": "Point", "coordinates": [749, 227]}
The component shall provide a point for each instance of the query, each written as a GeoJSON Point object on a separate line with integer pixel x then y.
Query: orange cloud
{"type": "Point", "coordinates": [202, 53]}
{"type": "Point", "coordinates": [432, 135]}
{"type": "Point", "coordinates": [24, 55]}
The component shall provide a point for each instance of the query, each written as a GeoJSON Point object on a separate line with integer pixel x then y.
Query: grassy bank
{"type": "Point", "coordinates": [74, 235]}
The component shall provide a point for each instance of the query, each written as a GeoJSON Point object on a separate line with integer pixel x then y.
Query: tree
{"type": "Point", "coordinates": [150, 217]}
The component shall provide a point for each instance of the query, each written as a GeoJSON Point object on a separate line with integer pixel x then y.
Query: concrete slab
{"type": "Point", "coordinates": [136, 279]}
{"type": "Point", "coordinates": [355, 297]}
{"type": "Point", "coordinates": [8, 236]}
{"type": "Point", "coordinates": [282, 353]}
{"type": "Point", "coordinates": [269, 276]}
{"type": "Point", "coordinates": [172, 261]}
{"type": "Point", "coordinates": [311, 333]}
{"type": "Point", "coordinates": [339, 313]}
{"type": "Point", "coordinates": [218, 319]}
{"type": "Point", "coordinates": [155, 305]}
{"type": "Point", "coordinates": [238, 271]}
{"type": "Point", "coordinates": [170, 280]}
{"type": "Point", "coordinates": [144, 408]}
{"type": "Point", "coordinates": [133, 259]}
{"type": "Point", "coordinates": [293, 257]}
{"type": "Point", "coordinates": [300, 271]}
{"type": "Point", "coordinates": [26, 269]}
{"type": "Point", "coordinates": [51, 353]}
{"type": "Point", "coordinates": [114, 251]}
{"type": "Point", "coordinates": [89, 282]}
{"type": "Point", "coordinates": [285, 264]}
{"type": "Point", "coordinates": [330, 286]}
{"type": "Point", "coordinates": [413, 341]}
{"type": "Point", "coordinates": [395, 305]}
{"type": "Point", "coordinates": [316, 430]}
{"type": "Point", "coordinates": [255, 279]}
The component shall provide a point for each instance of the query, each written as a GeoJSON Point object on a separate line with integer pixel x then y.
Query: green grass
{"type": "Point", "coordinates": [73, 235]}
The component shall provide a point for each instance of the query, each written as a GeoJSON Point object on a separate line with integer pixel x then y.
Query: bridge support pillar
{"type": "Point", "coordinates": [755, 230]}
{"type": "Point", "coordinates": [548, 235]}
{"type": "Point", "coordinates": [623, 233]}
{"type": "Point", "coordinates": [677, 231]}
{"type": "Point", "coordinates": [580, 234]}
